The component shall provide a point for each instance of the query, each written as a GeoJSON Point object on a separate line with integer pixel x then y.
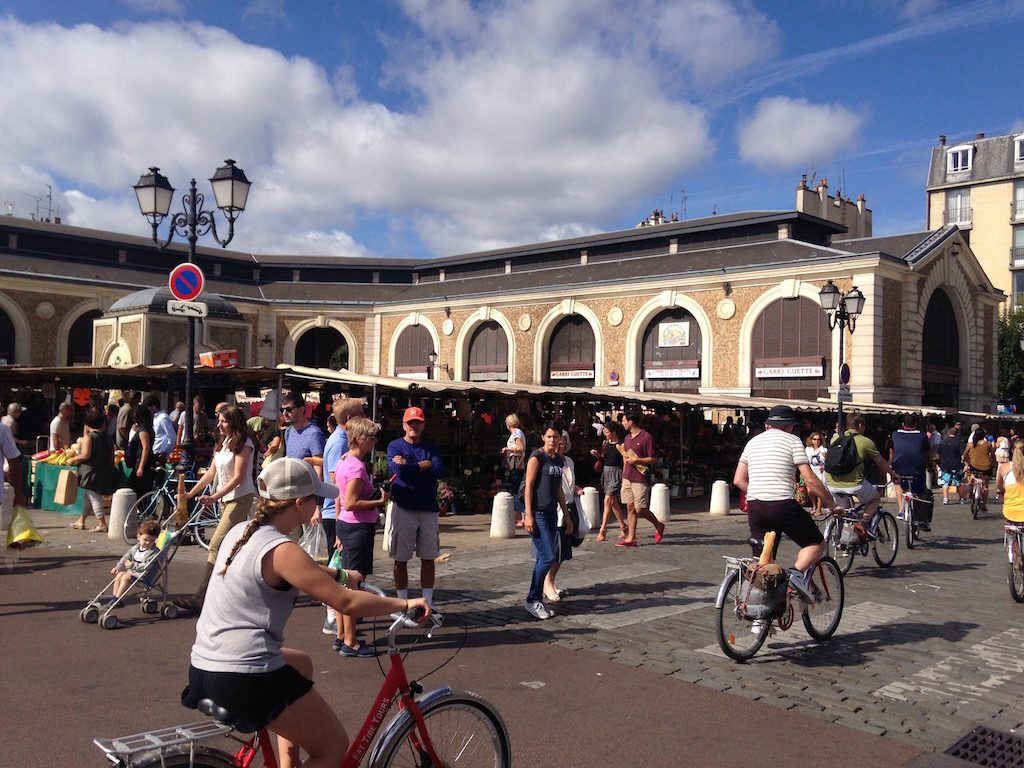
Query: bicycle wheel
{"type": "Point", "coordinates": [975, 502]}
{"type": "Point", "coordinates": [182, 757]}
{"type": "Point", "coordinates": [738, 637]}
{"type": "Point", "coordinates": [1015, 570]}
{"type": "Point", "coordinates": [153, 505]}
{"type": "Point", "coordinates": [841, 553]}
{"type": "Point", "coordinates": [204, 526]}
{"type": "Point", "coordinates": [908, 523]}
{"type": "Point", "coordinates": [463, 729]}
{"type": "Point", "coordinates": [887, 540]}
{"type": "Point", "coordinates": [821, 619]}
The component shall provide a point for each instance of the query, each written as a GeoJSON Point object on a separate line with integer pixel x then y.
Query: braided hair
{"type": "Point", "coordinates": [266, 510]}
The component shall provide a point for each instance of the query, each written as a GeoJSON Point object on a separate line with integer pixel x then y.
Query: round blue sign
{"type": "Point", "coordinates": [186, 282]}
{"type": "Point", "coordinates": [844, 373]}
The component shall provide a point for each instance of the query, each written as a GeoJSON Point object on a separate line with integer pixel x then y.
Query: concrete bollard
{"type": "Point", "coordinates": [503, 516]}
{"type": "Point", "coordinates": [659, 502]}
{"type": "Point", "coordinates": [719, 498]}
{"type": "Point", "coordinates": [590, 505]}
{"type": "Point", "coordinates": [7, 508]}
{"type": "Point", "coordinates": [120, 504]}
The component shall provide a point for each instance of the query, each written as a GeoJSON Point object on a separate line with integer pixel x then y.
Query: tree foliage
{"type": "Point", "coordinates": [1011, 358]}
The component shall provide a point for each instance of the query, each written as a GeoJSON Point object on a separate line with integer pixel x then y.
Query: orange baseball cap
{"type": "Point", "coordinates": [413, 414]}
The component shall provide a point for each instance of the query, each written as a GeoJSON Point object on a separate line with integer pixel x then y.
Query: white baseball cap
{"type": "Point", "coordinates": [288, 478]}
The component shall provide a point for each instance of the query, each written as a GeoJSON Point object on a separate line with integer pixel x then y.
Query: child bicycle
{"type": "Point", "coordinates": [443, 727]}
{"type": "Point", "coordinates": [161, 505]}
{"type": "Point", "coordinates": [846, 535]}
{"type": "Point", "coordinates": [755, 597]}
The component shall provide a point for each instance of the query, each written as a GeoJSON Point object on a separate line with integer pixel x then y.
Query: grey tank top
{"type": "Point", "coordinates": [241, 628]}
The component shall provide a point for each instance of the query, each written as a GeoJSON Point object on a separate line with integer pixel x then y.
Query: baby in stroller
{"type": "Point", "coordinates": [135, 561]}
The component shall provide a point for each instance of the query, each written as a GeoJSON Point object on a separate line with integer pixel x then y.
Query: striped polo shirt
{"type": "Point", "coordinates": [772, 458]}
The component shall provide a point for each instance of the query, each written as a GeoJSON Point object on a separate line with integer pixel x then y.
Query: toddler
{"type": "Point", "coordinates": [136, 559]}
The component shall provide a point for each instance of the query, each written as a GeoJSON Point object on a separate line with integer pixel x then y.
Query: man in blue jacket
{"type": "Point", "coordinates": [416, 466]}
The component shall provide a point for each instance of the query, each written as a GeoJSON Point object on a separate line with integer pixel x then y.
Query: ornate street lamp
{"type": "Point", "coordinates": [154, 193]}
{"type": "Point", "coordinates": [842, 311]}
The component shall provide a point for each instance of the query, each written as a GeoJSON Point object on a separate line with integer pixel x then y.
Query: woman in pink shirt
{"type": "Point", "coordinates": [357, 517]}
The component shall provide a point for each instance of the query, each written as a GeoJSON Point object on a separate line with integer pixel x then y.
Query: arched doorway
{"type": "Point", "coordinates": [670, 355]}
{"type": "Point", "coordinates": [322, 348]}
{"type": "Point", "coordinates": [488, 353]}
{"type": "Point", "coordinates": [412, 352]}
{"type": "Point", "coordinates": [80, 339]}
{"type": "Point", "coordinates": [571, 354]}
{"type": "Point", "coordinates": [940, 354]}
{"type": "Point", "coordinates": [790, 352]}
{"type": "Point", "coordinates": [7, 340]}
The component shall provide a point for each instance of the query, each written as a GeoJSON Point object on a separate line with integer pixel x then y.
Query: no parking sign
{"type": "Point", "coordinates": [186, 282]}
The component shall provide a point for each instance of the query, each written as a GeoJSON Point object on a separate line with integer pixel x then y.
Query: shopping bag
{"type": "Point", "coordinates": [22, 533]}
{"type": "Point", "coordinates": [67, 488]}
{"type": "Point", "coordinates": [314, 542]}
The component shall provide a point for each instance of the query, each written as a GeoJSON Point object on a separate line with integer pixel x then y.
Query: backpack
{"type": "Point", "coordinates": [842, 457]}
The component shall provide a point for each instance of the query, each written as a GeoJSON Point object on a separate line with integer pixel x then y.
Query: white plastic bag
{"type": "Point", "coordinates": [314, 542]}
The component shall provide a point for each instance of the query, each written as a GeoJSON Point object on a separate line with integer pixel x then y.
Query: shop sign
{"type": "Point", "coordinates": [675, 333]}
{"type": "Point", "coordinates": [672, 373]}
{"type": "Point", "coordinates": [576, 373]}
{"type": "Point", "coordinates": [789, 371]}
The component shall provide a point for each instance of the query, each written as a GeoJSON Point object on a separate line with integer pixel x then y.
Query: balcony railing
{"type": "Point", "coordinates": [1016, 211]}
{"type": "Point", "coordinates": [960, 216]}
{"type": "Point", "coordinates": [1017, 256]}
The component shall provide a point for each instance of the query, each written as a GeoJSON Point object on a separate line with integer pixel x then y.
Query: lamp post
{"type": "Point", "coordinates": [843, 311]}
{"type": "Point", "coordinates": [154, 193]}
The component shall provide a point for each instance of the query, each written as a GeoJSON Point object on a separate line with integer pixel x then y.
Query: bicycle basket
{"type": "Point", "coordinates": [763, 591]}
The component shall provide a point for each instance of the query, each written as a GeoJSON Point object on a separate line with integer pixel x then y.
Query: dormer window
{"type": "Point", "coordinates": [1018, 149]}
{"type": "Point", "coordinates": [959, 159]}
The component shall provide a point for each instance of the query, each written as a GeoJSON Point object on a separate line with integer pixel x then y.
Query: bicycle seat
{"type": "Point", "coordinates": [224, 716]}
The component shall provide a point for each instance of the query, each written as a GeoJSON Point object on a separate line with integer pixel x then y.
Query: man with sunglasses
{"type": "Point", "coordinates": [302, 438]}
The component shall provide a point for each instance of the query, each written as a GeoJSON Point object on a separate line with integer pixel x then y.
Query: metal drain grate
{"type": "Point", "coordinates": [983, 746]}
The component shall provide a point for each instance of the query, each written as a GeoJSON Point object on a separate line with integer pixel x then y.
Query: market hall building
{"type": "Point", "coordinates": [725, 306]}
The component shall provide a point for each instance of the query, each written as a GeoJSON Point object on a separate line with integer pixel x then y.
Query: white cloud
{"type": "Point", "coordinates": [169, 7]}
{"type": "Point", "coordinates": [531, 119]}
{"type": "Point", "coordinates": [789, 133]}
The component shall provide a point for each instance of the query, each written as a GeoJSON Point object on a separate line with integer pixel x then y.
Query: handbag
{"type": "Point", "coordinates": [21, 533]}
{"type": "Point", "coordinates": [314, 543]}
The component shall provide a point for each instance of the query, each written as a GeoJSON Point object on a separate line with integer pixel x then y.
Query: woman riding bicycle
{"type": "Point", "coordinates": [238, 659]}
{"type": "Point", "coordinates": [1011, 489]}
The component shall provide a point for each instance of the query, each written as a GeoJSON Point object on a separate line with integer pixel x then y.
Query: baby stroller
{"type": "Point", "coordinates": [154, 578]}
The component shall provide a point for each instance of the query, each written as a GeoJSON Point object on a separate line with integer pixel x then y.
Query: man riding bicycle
{"type": "Point", "coordinates": [853, 483]}
{"type": "Point", "coordinates": [765, 473]}
{"type": "Point", "coordinates": [909, 456]}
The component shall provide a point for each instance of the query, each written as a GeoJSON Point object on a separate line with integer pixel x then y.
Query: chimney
{"type": "Point", "coordinates": [979, 136]}
{"type": "Point", "coordinates": [803, 181]}
{"type": "Point", "coordinates": [942, 139]}
{"type": "Point", "coordinates": [823, 189]}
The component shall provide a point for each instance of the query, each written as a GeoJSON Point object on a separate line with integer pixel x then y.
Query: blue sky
{"type": "Point", "coordinates": [436, 127]}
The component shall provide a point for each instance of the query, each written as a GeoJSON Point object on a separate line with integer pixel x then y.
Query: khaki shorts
{"type": "Point", "coordinates": [636, 494]}
{"type": "Point", "coordinates": [414, 532]}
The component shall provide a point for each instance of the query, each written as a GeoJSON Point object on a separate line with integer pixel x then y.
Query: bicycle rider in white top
{"type": "Point", "coordinates": [765, 473]}
{"type": "Point", "coordinates": [854, 483]}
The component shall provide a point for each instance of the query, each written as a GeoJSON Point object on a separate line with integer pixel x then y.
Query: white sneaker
{"type": "Point", "coordinates": [538, 610]}
{"type": "Point", "coordinates": [799, 582]}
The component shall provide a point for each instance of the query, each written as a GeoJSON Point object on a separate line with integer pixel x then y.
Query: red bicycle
{"type": "Point", "coordinates": [443, 727]}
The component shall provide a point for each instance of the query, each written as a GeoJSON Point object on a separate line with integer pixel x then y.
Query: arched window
{"type": "Point", "coordinates": [671, 352]}
{"type": "Point", "coordinates": [571, 353]}
{"type": "Point", "coordinates": [80, 339]}
{"type": "Point", "coordinates": [322, 348]}
{"type": "Point", "coordinates": [7, 341]}
{"type": "Point", "coordinates": [411, 353]}
{"type": "Point", "coordinates": [940, 354]}
{"type": "Point", "coordinates": [791, 351]}
{"type": "Point", "coordinates": [488, 353]}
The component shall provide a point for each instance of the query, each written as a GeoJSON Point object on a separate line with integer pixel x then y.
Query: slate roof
{"type": "Point", "coordinates": [993, 161]}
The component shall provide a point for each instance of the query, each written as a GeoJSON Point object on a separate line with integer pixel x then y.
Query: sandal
{"type": "Point", "coordinates": [189, 604]}
{"type": "Point", "coordinates": [601, 536]}
{"type": "Point", "coordinates": [552, 598]}
{"type": "Point", "coordinates": [623, 533]}
{"type": "Point", "coordinates": [100, 529]}
{"type": "Point", "coordinates": [78, 525]}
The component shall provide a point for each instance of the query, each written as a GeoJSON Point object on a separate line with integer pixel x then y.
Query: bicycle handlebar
{"type": "Point", "coordinates": [410, 620]}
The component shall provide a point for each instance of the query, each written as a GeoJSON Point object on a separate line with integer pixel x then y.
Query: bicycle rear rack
{"type": "Point", "coordinates": [126, 746]}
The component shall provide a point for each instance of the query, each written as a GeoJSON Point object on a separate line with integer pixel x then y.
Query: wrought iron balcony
{"type": "Point", "coordinates": [961, 216]}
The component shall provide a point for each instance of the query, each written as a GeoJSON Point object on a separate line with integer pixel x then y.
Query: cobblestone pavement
{"type": "Point", "coordinates": [925, 650]}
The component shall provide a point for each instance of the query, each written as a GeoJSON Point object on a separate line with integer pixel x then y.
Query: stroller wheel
{"type": "Point", "coordinates": [150, 606]}
{"type": "Point", "coordinates": [90, 614]}
{"type": "Point", "coordinates": [109, 621]}
{"type": "Point", "coordinates": [169, 611]}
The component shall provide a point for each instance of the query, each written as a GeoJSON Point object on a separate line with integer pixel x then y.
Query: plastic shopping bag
{"type": "Point", "coordinates": [314, 542]}
{"type": "Point", "coordinates": [22, 533]}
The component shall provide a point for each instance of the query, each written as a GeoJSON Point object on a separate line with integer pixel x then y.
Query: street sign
{"type": "Point", "coordinates": [186, 282]}
{"type": "Point", "coordinates": [844, 373]}
{"type": "Point", "coordinates": [844, 395]}
{"type": "Point", "coordinates": [187, 309]}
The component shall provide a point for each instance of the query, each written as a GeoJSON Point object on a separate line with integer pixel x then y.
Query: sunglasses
{"type": "Point", "coordinates": [288, 409]}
